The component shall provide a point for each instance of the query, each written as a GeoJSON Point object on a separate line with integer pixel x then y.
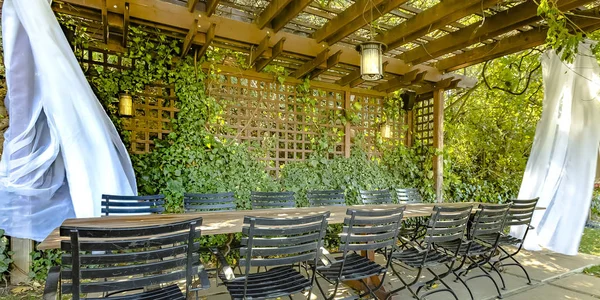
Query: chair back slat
{"type": "Point", "coordinates": [520, 212]}
{"type": "Point", "coordinates": [124, 205]}
{"type": "Point", "coordinates": [408, 195]}
{"type": "Point", "coordinates": [326, 198]}
{"type": "Point", "coordinates": [447, 224]}
{"type": "Point", "coordinates": [269, 242]}
{"type": "Point", "coordinates": [208, 202]}
{"type": "Point", "coordinates": [99, 260]}
{"type": "Point", "coordinates": [489, 219]}
{"type": "Point", "coordinates": [369, 230]}
{"type": "Point", "coordinates": [265, 200]}
{"type": "Point", "coordinates": [376, 197]}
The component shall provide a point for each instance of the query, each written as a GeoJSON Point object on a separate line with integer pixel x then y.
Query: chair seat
{"type": "Point", "coordinates": [355, 267]}
{"type": "Point", "coordinates": [504, 239]}
{"type": "Point", "coordinates": [414, 258]}
{"type": "Point", "coordinates": [475, 248]}
{"type": "Point", "coordinates": [276, 282]}
{"type": "Point", "coordinates": [171, 292]}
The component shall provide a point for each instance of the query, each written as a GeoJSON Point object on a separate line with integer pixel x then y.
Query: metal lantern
{"type": "Point", "coordinates": [125, 105]}
{"type": "Point", "coordinates": [386, 131]}
{"type": "Point", "coordinates": [371, 60]}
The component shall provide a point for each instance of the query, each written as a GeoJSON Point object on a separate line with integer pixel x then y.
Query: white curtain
{"type": "Point", "coordinates": [562, 165]}
{"type": "Point", "coordinates": [61, 151]}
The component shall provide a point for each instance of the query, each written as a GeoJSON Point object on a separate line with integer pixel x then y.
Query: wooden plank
{"type": "Point", "coordinates": [260, 50]}
{"type": "Point", "coordinates": [401, 82]}
{"type": "Point", "coordinates": [187, 42]}
{"type": "Point", "coordinates": [22, 249]}
{"type": "Point", "coordinates": [431, 19]}
{"type": "Point", "coordinates": [191, 5]}
{"type": "Point", "coordinates": [500, 23]}
{"type": "Point", "coordinates": [277, 50]}
{"type": "Point", "coordinates": [331, 62]}
{"type": "Point", "coordinates": [410, 124]}
{"type": "Point", "coordinates": [363, 20]}
{"type": "Point", "coordinates": [353, 12]}
{"type": "Point", "coordinates": [272, 10]}
{"type": "Point", "coordinates": [289, 13]}
{"type": "Point", "coordinates": [232, 221]}
{"type": "Point", "coordinates": [438, 143]}
{"type": "Point", "coordinates": [347, 126]}
{"type": "Point", "coordinates": [211, 7]}
{"type": "Point", "coordinates": [311, 65]}
{"type": "Point", "coordinates": [354, 75]}
{"type": "Point", "coordinates": [125, 24]}
{"type": "Point", "coordinates": [104, 22]}
{"type": "Point", "coordinates": [210, 36]}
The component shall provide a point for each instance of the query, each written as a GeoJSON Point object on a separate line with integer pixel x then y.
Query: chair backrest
{"type": "Point", "coordinates": [447, 224]}
{"type": "Point", "coordinates": [269, 242]}
{"type": "Point", "coordinates": [326, 198]}
{"type": "Point", "coordinates": [520, 212]}
{"type": "Point", "coordinates": [376, 197]}
{"type": "Point", "coordinates": [370, 229]}
{"type": "Point", "coordinates": [489, 219]}
{"type": "Point", "coordinates": [208, 202]}
{"type": "Point", "coordinates": [410, 195]}
{"type": "Point", "coordinates": [263, 200]}
{"type": "Point", "coordinates": [99, 260]}
{"type": "Point", "coordinates": [123, 205]}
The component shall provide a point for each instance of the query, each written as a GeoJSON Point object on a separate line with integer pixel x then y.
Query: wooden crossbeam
{"type": "Point", "coordinates": [125, 23]}
{"type": "Point", "coordinates": [211, 7]}
{"type": "Point", "coordinates": [405, 81]}
{"type": "Point", "coordinates": [354, 75]}
{"type": "Point", "coordinates": [311, 64]}
{"type": "Point", "coordinates": [259, 51]}
{"type": "Point", "coordinates": [187, 42]}
{"type": "Point", "coordinates": [342, 19]}
{"type": "Point", "coordinates": [210, 36]}
{"type": "Point", "coordinates": [192, 5]}
{"type": "Point", "coordinates": [331, 62]}
{"type": "Point", "coordinates": [277, 50]}
{"type": "Point", "coordinates": [289, 13]}
{"type": "Point", "coordinates": [272, 10]}
{"type": "Point", "coordinates": [500, 23]}
{"type": "Point", "coordinates": [431, 19]}
{"type": "Point", "coordinates": [358, 81]}
{"type": "Point", "coordinates": [362, 20]}
{"type": "Point", "coordinates": [104, 22]}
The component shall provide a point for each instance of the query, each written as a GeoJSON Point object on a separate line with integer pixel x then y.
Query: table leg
{"type": "Point", "coordinates": [372, 281]}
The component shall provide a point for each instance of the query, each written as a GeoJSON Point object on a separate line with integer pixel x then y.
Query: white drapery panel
{"type": "Point", "coordinates": [61, 150]}
{"type": "Point", "coordinates": [562, 165]}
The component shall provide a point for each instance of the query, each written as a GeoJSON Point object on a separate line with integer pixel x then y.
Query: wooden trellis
{"type": "Point", "coordinates": [423, 114]}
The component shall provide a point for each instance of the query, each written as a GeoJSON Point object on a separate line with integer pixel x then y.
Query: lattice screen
{"type": "Point", "coordinates": [423, 113]}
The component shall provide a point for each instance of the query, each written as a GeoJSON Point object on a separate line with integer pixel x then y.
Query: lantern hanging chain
{"type": "Point", "coordinates": [371, 27]}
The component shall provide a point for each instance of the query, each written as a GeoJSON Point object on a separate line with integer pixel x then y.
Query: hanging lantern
{"type": "Point", "coordinates": [386, 131]}
{"type": "Point", "coordinates": [371, 60]}
{"type": "Point", "coordinates": [125, 105]}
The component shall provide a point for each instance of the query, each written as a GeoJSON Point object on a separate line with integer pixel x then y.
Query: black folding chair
{"type": "Point", "coordinates": [519, 214]}
{"type": "Point", "coordinates": [123, 205]}
{"type": "Point", "coordinates": [129, 261]}
{"type": "Point", "coordinates": [488, 221]}
{"type": "Point", "coordinates": [364, 230]}
{"type": "Point", "coordinates": [264, 200]}
{"type": "Point", "coordinates": [376, 197]}
{"type": "Point", "coordinates": [447, 225]}
{"type": "Point", "coordinates": [280, 246]}
{"type": "Point", "coordinates": [326, 198]}
{"type": "Point", "coordinates": [208, 202]}
{"type": "Point", "coordinates": [412, 228]}
{"type": "Point", "coordinates": [408, 195]}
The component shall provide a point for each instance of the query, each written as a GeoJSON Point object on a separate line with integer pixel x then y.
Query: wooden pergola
{"type": "Point", "coordinates": [423, 44]}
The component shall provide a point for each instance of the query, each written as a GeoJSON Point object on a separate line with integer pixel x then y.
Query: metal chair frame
{"type": "Point", "coordinates": [364, 230]}
{"type": "Point", "coordinates": [118, 204]}
{"type": "Point", "coordinates": [447, 224]}
{"type": "Point", "coordinates": [266, 200]}
{"type": "Point", "coordinates": [413, 228]}
{"type": "Point", "coordinates": [97, 259]}
{"type": "Point", "coordinates": [326, 198]}
{"type": "Point", "coordinates": [193, 202]}
{"type": "Point", "coordinates": [376, 197]}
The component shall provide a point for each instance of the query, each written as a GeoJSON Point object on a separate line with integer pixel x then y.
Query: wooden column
{"type": "Point", "coordinates": [21, 260]}
{"type": "Point", "coordinates": [410, 124]}
{"type": "Point", "coordinates": [347, 129]}
{"type": "Point", "coordinates": [438, 143]}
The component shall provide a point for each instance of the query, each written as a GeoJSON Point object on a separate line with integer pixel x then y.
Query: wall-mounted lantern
{"type": "Point", "coordinates": [125, 105]}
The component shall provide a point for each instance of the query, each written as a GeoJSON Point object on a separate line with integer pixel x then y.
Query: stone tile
{"type": "Point", "coordinates": [580, 282]}
{"type": "Point", "coordinates": [549, 292]}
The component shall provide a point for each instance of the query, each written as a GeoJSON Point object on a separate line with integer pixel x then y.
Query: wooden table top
{"type": "Point", "coordinates": [232, 221]}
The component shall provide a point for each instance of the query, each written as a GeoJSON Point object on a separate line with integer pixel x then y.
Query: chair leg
{"type": "Point", "coordinates": [464, 283]}
{"type": "Point", "coordinates": [406, 285]}
{"type": "Point", "coordinates": [440, 279]}
{"type": "Point", "coordinates": [499, 275]}
{"type": "Point", "coordinates": [325, 295]}
{"type": "Point", "coordinates": [516, 262]}
{"type": "Point", "coordinates": [479, 264]}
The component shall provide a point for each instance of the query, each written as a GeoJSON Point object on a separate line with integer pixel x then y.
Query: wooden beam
{"type": "Point", "coordinates": [358, 81]}
{"type": "Point", "coordinates": [362, 20]}
{"type": "Point", "coordinates": [331, 62]}
{"type": "Point", "coordinates": [410, 124]}
{"type": "Point", "coordinates": [289, 13]}
{"type": "Point", "coordinates": [187, 43]}
{"type": "Point", "coordinates": [402, 82]}
{"type": "Point", "coordinates": [277, 50]}
{"type": "Point", "coordinates": [500, 23]}
{"type": "Point", "coordinates": [125, 23]}
{"type": "Point", "coordinates": [177, 18]}
{"type": "Point", "coordinates": [349, 78]}
{"type": "Point", "coordinates": [431, 19]}
{"type": "Point", "coordinates": [210, 36]}
{"type": "Point", "coordinates": [311, 64]}
{"type": "Point", "coordinates": [260, 50]}
{"type": "Point", "coordinates": [22, 261]}
{"type": "Point", "coordinates": [272, 10]}
{"type": "Point", "coordinates": [438, 143]}
{"type": "Point", "coordinates": [342, 19]}
{"type": "Point", "coordinates": [104, 22]}
{"type": "Point", "coordinates": [347, 126]}
{"type": "Point", "coordinates": [191, 5]}
{"type": "Point", "coordinates": [211, 7]}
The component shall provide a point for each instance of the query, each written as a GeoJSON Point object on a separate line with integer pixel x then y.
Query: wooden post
{"type": "Point", "coordinates": [347, 128]}
{"type": "Point", "coordinates": [438, 143]}
{"type": "Point", "coordinates": [410, 123]}
{"type": "Point", "coordinates": [21, 259]}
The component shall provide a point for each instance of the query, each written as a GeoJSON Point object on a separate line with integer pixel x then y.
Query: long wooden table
{"type": "Point", "coordinates": [232, 221]}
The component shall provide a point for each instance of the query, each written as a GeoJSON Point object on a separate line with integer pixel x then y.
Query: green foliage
{"type": "Point", "coordinates": [5, 256]}
{"type": "Point", "coordinates": [596, 202]}
{"type": "Point", "coordinates": [42, 261]}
